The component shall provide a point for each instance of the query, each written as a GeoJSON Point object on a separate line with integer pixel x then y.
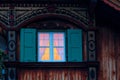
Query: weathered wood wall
{"type": "Point", "coordinates": [108, 53]}
{"type": "Point", "coordinates": [118, 56]}
{"type": "Point", "coordinates": [52, 74]}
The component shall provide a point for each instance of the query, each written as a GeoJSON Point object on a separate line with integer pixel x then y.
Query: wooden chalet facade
{"type": "Point", "coordinates": [86, 50]}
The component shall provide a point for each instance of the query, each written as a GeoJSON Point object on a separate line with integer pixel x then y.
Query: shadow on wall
{"type": "Point", "coordinates": [3, 44]}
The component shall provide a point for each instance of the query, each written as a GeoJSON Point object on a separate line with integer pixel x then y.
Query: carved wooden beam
{"type": "Point", "coordinates": [113, 3]}
{"type": "Point", "coordinates": [92, 5]}
{"type": "Point", "coordinates": [43, 1]}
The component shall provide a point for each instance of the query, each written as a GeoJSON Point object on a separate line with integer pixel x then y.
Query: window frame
{"type": "Point", "coordinates": [65, 47]}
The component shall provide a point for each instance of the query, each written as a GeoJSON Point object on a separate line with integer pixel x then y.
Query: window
{"type": "Point", "coordinates": [51, 46]}
{"type": "Point", "coordinates": [39, 46]}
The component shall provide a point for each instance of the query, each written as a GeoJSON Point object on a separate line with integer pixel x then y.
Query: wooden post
{"type": "Point", "coordinates": [91, 52]}
{"type": "Point", "coordinates": [11, 44]}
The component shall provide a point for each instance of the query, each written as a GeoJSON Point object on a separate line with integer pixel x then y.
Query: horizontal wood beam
{"type": "Point", "coordinates": [44, 1]}
{"type": "Point", "coordinates": [81, 65]}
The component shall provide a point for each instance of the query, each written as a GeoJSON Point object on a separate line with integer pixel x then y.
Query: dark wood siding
{"type": "Point", "coordinates": [53, 74]}
{"type": "Point", "coordinates": [108, 54]}
{"type": "Point", "coordinates": [117, 51]}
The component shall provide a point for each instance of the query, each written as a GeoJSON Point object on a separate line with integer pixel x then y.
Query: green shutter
{"type": "Point", "coordinates": [74, 45]}
{"type": "Point", "coordinates": [28, 45]}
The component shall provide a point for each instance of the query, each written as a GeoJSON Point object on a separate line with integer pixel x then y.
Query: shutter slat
{"type": "Point", "coordinates": [75, 45]}
{"type": "Point", "coordinates": [28, 45]}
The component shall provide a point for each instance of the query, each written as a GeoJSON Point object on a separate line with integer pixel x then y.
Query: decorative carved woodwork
{"type": "Point", "coordinates": [16, 14]}
{"type": "Point", "coordinates": [20, 15]}
{"type": "Point", "coordinates": [11, 53]}
{"type": "Point", "coordinates": [113, 3]}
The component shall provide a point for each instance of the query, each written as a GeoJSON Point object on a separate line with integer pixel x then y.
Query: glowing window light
{"type": "Point", "coordinates": [51, 47]}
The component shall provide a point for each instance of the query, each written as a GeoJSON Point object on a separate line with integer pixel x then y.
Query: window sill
{"type": "Point", "coordinates": [81, 65]}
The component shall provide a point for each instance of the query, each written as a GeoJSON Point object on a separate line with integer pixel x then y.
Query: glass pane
{"type": "Point", "coordinates": [58, 36]}
{"type": "Point", "coordinates": [61, 36]}
{"type": "Point", "coordinates": [44, 39]}
{"type": "Point", "coordinates": [58, 53]}
{"type": "Point", "coordinates": [51, 46]}
{"type": "Point", "coordinates": [44, 36]}
{"type": "Point", "coordinates": [44, 42]}
{"type": "Point", "coordinates": [44, 54]}
{"type": "Point", "coordinates": [56, 43]}
{"type": "Point", "coordinates": [61, 42]}
{"type": "Point", "coordinates": [58, 39]}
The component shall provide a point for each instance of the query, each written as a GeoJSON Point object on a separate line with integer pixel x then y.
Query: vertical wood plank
{"type": "Point", "coordinates": [107, 54]}
{"type": "Point", "coordinates": [117, 48]}
{"type": "Point", "coordinates": [84, 47]}
{"type": "Point", "coordinates": [53, 74]}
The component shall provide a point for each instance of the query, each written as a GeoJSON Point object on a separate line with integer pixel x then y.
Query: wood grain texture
{"type": "Point", "coordinates": [107, 54]}
{"type": "Point", "coordinates": [84, 46]}
{"type": "Point", "coordinates": [117, 51]}
{"type": "Point", "coordinates": [52, 74]}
